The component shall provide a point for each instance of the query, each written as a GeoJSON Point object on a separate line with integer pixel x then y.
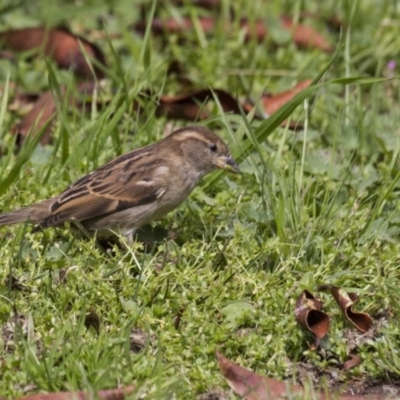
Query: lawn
{"type": "Point", "coordinates": [316, 202]}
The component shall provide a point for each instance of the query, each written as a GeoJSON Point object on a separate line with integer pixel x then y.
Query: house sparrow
{"type": "Point", "coordinates": [134, 188]}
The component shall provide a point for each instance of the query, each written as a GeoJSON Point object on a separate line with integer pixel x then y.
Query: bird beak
{"type": "Point", "coordinates": [227, 163]}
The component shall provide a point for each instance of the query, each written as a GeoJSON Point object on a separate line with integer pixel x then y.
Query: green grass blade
{"type": "Point", "coordinates": [28, 148]}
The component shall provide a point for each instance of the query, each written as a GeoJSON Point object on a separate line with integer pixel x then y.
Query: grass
{"type": "Point", "coordinates": [311, 207]}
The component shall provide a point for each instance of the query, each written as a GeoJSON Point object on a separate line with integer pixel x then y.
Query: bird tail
{"type": "Point", "coordinates": [14, 217]}
{"type": "Point", "coordinates": [33, 214]}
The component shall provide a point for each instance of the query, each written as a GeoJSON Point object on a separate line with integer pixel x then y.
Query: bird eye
{"type": "Point", "coordinates": [213, 147]}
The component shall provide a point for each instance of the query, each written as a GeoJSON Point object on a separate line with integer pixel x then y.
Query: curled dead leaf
{"type": "Point", "coordinates": [68, 50]}
{"type": "Point", "coordinates": [309, 315]}
{"type": "Point", "coordinates": [361, 321]}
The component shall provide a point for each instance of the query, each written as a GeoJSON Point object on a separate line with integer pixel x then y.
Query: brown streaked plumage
{"type": "Point", "coordinates": [135, 188]}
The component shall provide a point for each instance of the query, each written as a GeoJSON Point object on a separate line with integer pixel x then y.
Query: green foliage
{"type": "Point", "coordinates": [311, 207]}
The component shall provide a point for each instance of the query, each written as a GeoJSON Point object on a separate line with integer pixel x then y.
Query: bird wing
{"type": "Point", "coordinates": [130, 180]}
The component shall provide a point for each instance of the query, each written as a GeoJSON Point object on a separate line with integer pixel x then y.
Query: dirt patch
{"type": "Point", "coordinates": [14, 326]}
{"type": "Point", "coordinates": [140, 339]}
{"type": "Point", "coordinates": [214, 394]}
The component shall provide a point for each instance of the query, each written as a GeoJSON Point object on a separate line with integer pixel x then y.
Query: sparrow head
{"type": "Point", "coordinates": [204, 149]}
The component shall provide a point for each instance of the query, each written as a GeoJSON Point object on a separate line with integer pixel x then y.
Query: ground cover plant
{"type": "Point", "coordinates": [316, 203]}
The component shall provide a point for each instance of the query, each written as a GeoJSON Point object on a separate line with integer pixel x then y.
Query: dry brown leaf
{"type": "Point", "coordinates": [361, 321]}
{"type": "Point", "coordinates": [256, 29]}
{"type": "Point", "coordinates": [303, 35]}
{"type": "Point", "coordinates": [58, 43]}
{"type": "Point", "coordinates": [42, 114]}
{"type": "Point", "coordinates": [250, 385]}
{"type": "Point", "coordinates": [309, 315]}
{"type": "Point", "coordinates": [191, 106]}
{"type": "Point", "coordinates": [333, 22]}
{"type": "Point", "coordinates": [352, 362]}
{"type": "Point", "coordinates": [272, 103]}
{"type": "Point", "coordinates": [22, 101]}
{"type": "Point", "coordinates": [7, 55]}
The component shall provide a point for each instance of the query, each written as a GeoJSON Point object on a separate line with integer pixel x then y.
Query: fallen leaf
{"type": "Point", "coordinates": [7, 55]}
{"type": "Point", "coordinates": [110, 394]}
{"type": "Point", "coordinates": [256, 29]}
{"type": "Point", "coordinates": [250, 385]}
{"type": "Point", "coordinates": [191, 106]}
{"type": "Point", "coordinates": [309, 315]}
{"type": "Point", "coordinates": [43, 112]}
{"type": "Point", "coordinates": [58, 43]}
{"type": "Point", "coordinates": [333, 22]}
{"type": "Point", "coordinates": [352, 362]}
{"type": "Point", "coordinates": [41, 115]}
{"type": "Point", "coordinates": [272, 103]}
{"type": "Point", "coordinates": [361, 321]}
{"type": "Point", "coordinates": [303, 35]}
{"type": "Point", "coordinates": [21, 101]}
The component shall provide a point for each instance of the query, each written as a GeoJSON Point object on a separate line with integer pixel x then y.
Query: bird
{"type": "Point", "coordinates": [134, 188]}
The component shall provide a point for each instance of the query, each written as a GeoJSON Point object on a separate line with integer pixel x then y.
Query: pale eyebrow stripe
{"type": "Point", "coordinates": [191, 135]}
